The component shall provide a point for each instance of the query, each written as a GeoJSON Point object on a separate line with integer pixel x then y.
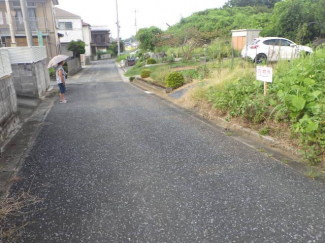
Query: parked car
{"type": "Point", "coordinates": [273, 49]}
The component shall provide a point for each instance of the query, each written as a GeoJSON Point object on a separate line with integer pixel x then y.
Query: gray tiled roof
{"type": "Point", "coordinates": [60, 13]}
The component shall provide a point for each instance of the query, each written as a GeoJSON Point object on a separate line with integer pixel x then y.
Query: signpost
{"type": "Point", "coordinates": [264, 74]}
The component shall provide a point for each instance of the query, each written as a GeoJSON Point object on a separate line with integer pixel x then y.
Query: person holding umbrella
{"type": "Point", "coordinates": [60, 74]}
{"type": "Point", "coordinates": [61, 78]}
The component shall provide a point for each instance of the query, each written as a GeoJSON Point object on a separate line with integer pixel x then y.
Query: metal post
{"type": "Point", "coordinates": [29, 37]}
{"type": "Point", "coordinates": [118, 32]}
{"type": "Point", "coordinates": [11, 28]}
{"type": "Point", "coordinates": [136, 26]}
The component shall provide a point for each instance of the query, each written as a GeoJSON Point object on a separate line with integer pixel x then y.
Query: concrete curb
{"type": "Point", "coordinates": [221, 122]}
{"type": "Point", "coordinates": [121, 71]}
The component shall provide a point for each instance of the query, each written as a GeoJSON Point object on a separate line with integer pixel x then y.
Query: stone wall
{"type": "Point", "coordinates": [74, 66]}
{"type": "Point", "coordinates": [8, 108]}
{"type": "Point", "coordinates": [31, 79]}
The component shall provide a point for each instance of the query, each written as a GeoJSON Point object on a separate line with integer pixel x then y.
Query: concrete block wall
{"type": "Point", "coordinates": [8, 107]}
{"type": "Point", "coordinates": [74, 66]}
{"type": "Point", "coordinates": [31, 79]}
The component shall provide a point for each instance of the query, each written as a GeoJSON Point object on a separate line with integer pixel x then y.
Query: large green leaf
{"type": "Point", "coordinates": [312, 126]}
{"type": "Point", "coordinates": [298, 103]}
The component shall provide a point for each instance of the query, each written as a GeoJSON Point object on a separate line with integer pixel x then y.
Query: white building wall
{"type": "Point", "coordinates": [87, 39]}
{"type": "Point", "coordinates": [74, 34]}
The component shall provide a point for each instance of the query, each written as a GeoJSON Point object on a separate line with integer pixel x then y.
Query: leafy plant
{"type": "Point", "coordinates": [52, 72]}
{"type": "Point", "coordinates": [131, 79]}
{"type": "Point", "coordinates": [151, 61]}
{"type": "Point", "coordinates": [77, 47]}
{"type": "Point", "coordinates": [145, 73]}
{"type": "Point", "coordinates": [175, 80]}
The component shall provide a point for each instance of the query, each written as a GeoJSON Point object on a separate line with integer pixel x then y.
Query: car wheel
{"type": "Point", "coordinates": [261, 58]}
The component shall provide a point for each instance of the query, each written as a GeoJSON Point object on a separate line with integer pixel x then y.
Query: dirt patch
{"type": "Point", "coordinates": [183, 68]}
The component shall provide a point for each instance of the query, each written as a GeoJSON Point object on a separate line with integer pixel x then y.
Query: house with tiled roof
{"type": "Point", "coordinates": [71, 27]}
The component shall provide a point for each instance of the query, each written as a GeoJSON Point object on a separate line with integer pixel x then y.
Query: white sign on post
{"type": "Point", "coordinates": [264, 74]}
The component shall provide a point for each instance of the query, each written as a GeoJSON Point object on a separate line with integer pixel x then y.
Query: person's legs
{"type": "Point", "coordinates": [62, 92]}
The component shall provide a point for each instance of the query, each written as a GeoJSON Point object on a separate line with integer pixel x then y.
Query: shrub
{"type": "Point", "coordinates": [145, 73]}
{"type": "Point", "coordinates": [151, 61]}
{"type": "Point", "coordinates": [77, 47]}
{"type": "Point", "coordinates": [52, 72]}
{"type": "Point", "coordinates": [175, 80]}
{"type": "Point", "coordinates": [131, 79]}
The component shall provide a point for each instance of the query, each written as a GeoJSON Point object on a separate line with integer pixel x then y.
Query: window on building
{"type": "Point", "coordinates": [65, 26]}
{"type": "Point", "coordinates": [30, 5]}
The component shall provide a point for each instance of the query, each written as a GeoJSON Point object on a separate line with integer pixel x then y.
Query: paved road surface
{"type": "Point", "coordinates": [116, 164]}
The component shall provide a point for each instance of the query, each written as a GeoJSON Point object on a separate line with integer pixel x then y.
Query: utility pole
{"type": "Point", "coordinates": [118, 32]}
{"type": "Point", "coordinates": [136, 25]}
{"type": "Point", "coordinates": [11, 28]}
{"type": "Point", "coordinates": [24, 10]}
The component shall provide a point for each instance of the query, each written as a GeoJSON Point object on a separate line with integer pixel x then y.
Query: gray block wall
{"type": "Point", "coordinates": [8, 108]}
{"type": "Point", "coordinates": [74, 66]}
{"type": "Point", "coordinates": [31, 79]}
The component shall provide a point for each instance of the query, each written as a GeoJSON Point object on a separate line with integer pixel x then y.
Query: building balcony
{"type": "Point", "coordinates": [36, 24]}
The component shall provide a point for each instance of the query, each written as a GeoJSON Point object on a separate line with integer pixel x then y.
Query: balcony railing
{"type": "Point", "coordinates": [36, 24]}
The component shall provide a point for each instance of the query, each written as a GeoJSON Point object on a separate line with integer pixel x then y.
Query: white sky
{"type": "Point", "coordinates": [150, 12]}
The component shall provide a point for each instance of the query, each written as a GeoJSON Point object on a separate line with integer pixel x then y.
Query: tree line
{"type": "Point", "coordinates": [302, 21]}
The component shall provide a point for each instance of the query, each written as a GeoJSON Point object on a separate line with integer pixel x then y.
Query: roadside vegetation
{"type": "Point", "coordinates": [293, 108]}
{"type": "Point", "coordinates": [199, 49]}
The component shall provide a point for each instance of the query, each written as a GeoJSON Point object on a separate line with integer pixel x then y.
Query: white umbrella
{"type": "Point", "coordinates": [57, 59]}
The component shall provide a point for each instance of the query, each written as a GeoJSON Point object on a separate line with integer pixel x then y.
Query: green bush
{"type": "Point", "coordinates": [151, 61]}
{"type": "Point", "coordinates": [145, 73]}
{"type": "Point", "coordinates": [52, 72]}
{"type": "Point", "coordinates": [175, 80]}
{"type": "Point", "coordinates": [131, 79]}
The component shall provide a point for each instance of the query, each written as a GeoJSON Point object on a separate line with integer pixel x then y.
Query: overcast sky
{"type": "Point", "coordinates": [150, 12]}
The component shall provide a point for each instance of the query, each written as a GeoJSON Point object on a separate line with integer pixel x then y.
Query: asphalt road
{"type": "Point", "coordinates": [116, 164]}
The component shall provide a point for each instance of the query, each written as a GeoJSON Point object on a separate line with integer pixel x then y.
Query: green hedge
{"type": "Point", "coordinates": [145, 73]}
{"type": "Point", "coordinates": [175, 80]}
{"type": "Point", "coordinates": [151, 61]}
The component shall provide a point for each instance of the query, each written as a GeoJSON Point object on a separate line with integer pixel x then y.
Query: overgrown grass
{"type": "Point", "coordinates": [296, 99]}
{"type": "Point", "coordinates": [11, 211]}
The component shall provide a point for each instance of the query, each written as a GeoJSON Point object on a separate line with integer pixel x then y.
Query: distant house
{"type": "Point", "coordinates": [100, 38]}
{"type": "Point", "coordinates": [42, 23]}
{"type": "Point", "coordinates": [86, 31]}
{"type": "Point", "coordinates": [71, 27]}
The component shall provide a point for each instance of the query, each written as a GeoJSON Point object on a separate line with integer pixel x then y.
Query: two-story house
{"type": "Point", "coordinates": [41, 20]}
{"type": "Point", "coordinates": [71, 27]}
{"type": "Point", "coordinates": [100, 38]}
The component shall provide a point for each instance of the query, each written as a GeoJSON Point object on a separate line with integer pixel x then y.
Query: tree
{"type": "Point", "coordinates": [148, 37]}
{"type": "Point", "coordinates": [246, 3]}
{"type": "Point", "coordinates": [298, 20]}
{"type": "Point", "coordinates": [77, 47]}
{"type": "Point", "coordinates": [113, 47]}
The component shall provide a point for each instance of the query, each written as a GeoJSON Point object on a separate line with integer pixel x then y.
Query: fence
{"type": "Point", "coordinates": [105, 56]}
{"type": "Point", "coordinates": [5, 66]}
{"type": "Point", "coordinates": [74, 66]}
{"type": "Point", "coordinates": [20, 55]}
